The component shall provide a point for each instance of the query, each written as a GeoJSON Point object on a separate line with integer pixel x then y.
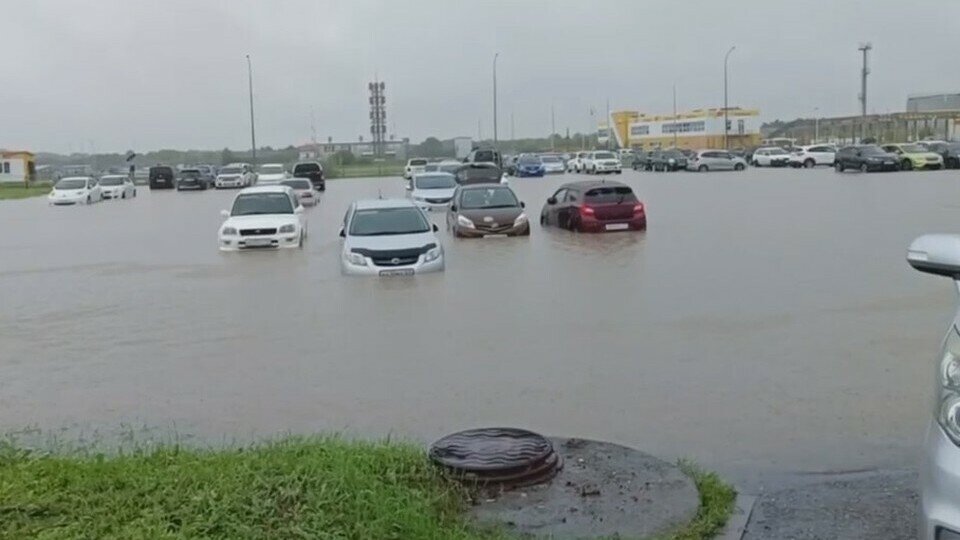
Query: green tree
{"type": "Point", "coordinates": [227, 157]}
{"type": "Point", "coordinates": [431, 147]}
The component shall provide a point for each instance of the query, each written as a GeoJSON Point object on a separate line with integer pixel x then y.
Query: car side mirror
{"type": "Point", "coordinates": [552, 200]}
{"type": "Point", "coordinates": [435, 228]}
{"type": "Point", "coordinates": [224, 214]}
{"type": "Point", "coordinates": [343, 233]}
{"type": "Point", "coordinates": [453, 208]}
{"type": "Point", "coordinates": [523, 204]}
{"type": "Point", "coordinates": [937, 254]}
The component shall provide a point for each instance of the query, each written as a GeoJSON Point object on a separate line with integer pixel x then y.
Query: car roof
{"type": "Point", "coordinates": [271, 164]}
{"type": "Point", "coordinates": [590, 184]}
{"type": "Point", "coordinates": [77, 178]}
{"type": "Point", "coordinates": [368, 204]}
{"type": "Point", "coordinates": [115, 175]}
{"type": "Point", "coordinates": [483, 185]}
{"type": "Point", "coordinates": [272, 188]}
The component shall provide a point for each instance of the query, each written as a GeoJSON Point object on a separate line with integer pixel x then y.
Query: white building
{"type": "Point", "coordinates": [16, 167]}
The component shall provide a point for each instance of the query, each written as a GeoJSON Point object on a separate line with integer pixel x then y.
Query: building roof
{"type": "Point", "coordinates": [12, 153]}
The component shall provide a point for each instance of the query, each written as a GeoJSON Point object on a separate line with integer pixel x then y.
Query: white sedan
{"type": "Point", "coordinates": [75, 190]}
{"type": "Point", "coordinates": [263, 217]}
{"type": "Point", "coordinates": [271, 173]}
{"type": "Point", "coordinates": [117, 186]}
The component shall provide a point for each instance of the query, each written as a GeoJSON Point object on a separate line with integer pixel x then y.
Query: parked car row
{"type": "Point", "coordinates": [76, 190]}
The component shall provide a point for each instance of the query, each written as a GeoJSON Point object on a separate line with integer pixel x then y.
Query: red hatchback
{"type": "Point", "coordinates": [594, 206]}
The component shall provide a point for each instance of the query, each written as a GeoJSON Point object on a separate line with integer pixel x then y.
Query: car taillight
{"type": "Point", "coordinates": [638, 208]}
{"type": "Point", "coordinates": [586, 211]}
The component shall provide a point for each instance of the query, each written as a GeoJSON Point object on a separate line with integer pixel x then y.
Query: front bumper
{"type": "Point", "coordinates": [190, 185]}
{"type": "Point", "coordinates": [522, 229]}
{"type": "Point", "coordinates": [420, 267]}
{"type": "Point", "coordinates": [600, 168]}
{"type": "Point", "coordinates": [530, 172]}
{"type": "Point", "coordinates": [883, 166]}
{"type": "Point", "coordinates": [235, 182]}
{"type": "Point", "coordinates": [929, 165]}
{"type": "Point", "coordinates": [66, 202]}
{"type": "Point", "coordinates": [112, 194]}
{"type": "Point", "coordinates": [431, 206]}
{"type": "Point", "coordinates": [939, 484]}
{"type": "Point", "coordinates": [247, 243]}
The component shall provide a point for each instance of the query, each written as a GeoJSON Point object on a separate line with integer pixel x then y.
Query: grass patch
{"type": "Point", "coordinates": [292, 488]}
{"type": "Point", "coordinates": [717, 500]}
{"type": "Point", "coordinates": [18, 191]}
{"type": "Point", "coordinates": [364, 169]}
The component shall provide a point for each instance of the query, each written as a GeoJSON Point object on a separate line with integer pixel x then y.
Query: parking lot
{"type": "Point", "coordinates": [691, 341]}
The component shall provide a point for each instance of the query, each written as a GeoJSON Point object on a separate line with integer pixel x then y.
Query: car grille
{"type": "Point", "coordinates": [257, 232]}
{"type": "Point", "coordinates": [498, 229]}
{"type": "Point", "coordinates": [438, 201]}
{"type": "Point", "coordinates": [394, 257]}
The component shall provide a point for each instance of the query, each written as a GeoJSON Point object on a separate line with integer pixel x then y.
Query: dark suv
{"type": "Point", "coordinates": [162, 177]}
{"type": "Point", "coordinates": [312, 170]}
{"type": "Point", "coordinates": [865, 157]}
{"type": "Point", "coordinates": [485, 155]}
{"type": "Point", "coordinates": [479, 173]}
{"type": "Point", "coordinates": [666, 160]}
{"type": "Point", "coordinates": [950, 151]}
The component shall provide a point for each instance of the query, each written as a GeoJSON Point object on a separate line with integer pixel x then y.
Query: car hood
{"type": "Point", "coordinates": [530, 165]}
{"type": "Point", "coordinates": [229, 176]}
{"type": "Point", "coordinates": [491, 215]}
{"type": "Point", "coordinates": [265, 221]}
{"type": "Point", "coordinates": [445, 193]}
{"type": "Point", "coordinates": [111, 188]}
{"type": "Point", "coordinates": [391, 242]}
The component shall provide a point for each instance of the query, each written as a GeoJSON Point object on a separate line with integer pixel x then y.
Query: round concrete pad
{"type": "Point", "coordinates": [603, 490]}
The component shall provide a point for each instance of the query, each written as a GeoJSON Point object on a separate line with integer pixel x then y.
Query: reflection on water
{"type": "Point", "coordinates": [765, 320]}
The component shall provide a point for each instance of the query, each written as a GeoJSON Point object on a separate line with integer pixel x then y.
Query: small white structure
{"type": "Point", "coordinates": [16, 167]}
{"type": "Point", "coordinates": [462, 146]}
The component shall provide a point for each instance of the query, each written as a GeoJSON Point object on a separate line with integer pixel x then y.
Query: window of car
{"type": "Point", "coordinates": [476, 175]}
{"type": "Point", "coordinates": [609, 195]}
{"type": "Point", "coordinates": [604, 155]}
{"type": "Point", "coordinates": [871, 149]}
{"type": "Point", "coordinates": [913, 148]}
{"type": "Point", "coordinates": [305, 168]}
{"type": "Point", "coordinates": [529, 160]}
{"type": "Point", "coordinates": [819, 149]}
{"type": "Point", "coordinates": [189, 173]}
{"type": "Point", "coordinates": [418, 162]}
{"type": "Point", "coordinates": [560, 194]}
{"type": "Point", "coordinates": [231, 170]}
{"type": "Point", "coordinates": [388, 221]}
{"type": "Point", "coordinates": [435, 181]}
{"type": "Point", "coordinates": [71, 183]}
{"type": "Point", "coordinates": [250, 204]}
{"type": "Point", "coordinates": [492, 197]}
{"type": "Point", "coordinates": [112, 180]}
{"type": "Point", "coordinates": [571, 196]}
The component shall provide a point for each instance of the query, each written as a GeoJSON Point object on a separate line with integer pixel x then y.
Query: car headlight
{"type": "Point", "coordinates": [288, 228]}
{"type": "Point", "coordinates": [522, 218]}
{"type": "Point", "coordinates": [464, 222]}
{"type": "Point", "coordinates": [355, 258]}
{"type": "Point", "coordinates": [433, 254]}
{"type": "Point", "coordinates": [229, 231]}
{"type": "Point", "coordinates": [948, 396]}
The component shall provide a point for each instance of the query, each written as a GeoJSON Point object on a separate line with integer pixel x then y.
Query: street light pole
{"type": "Point", "coordinates": [674, 115]}
{"type": "Point", "coordinates": [726, 123]}
{"type": "Point", "coordinates": [816, 124]}
{"type": "Point", "coordinates": [253, 136]}
{"type": "Point", "coordinates": [495, 98]}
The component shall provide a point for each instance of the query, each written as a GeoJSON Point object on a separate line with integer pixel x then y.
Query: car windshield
{"type": "Point", "coordinates": [112, 180]}
{"type": "Point", "coordinates": [67, 183]}
{"type": "Point", "coordinates": [912, 148]}
{"type": "Point", "coordinates": [418, 162]}
{"type": "Point", "coordinates": [484, 156]}
{"type": "Point", "coordinates": [529, 160]}
{"type": "Point", "coordinates": [249, 204]}
{"type": "Point", "coordinates": [480, 174]}
{"type": "Point", "coordinates": [551, 159]}
{"type": "Point", "coordinates": [493, 197]}
{"type": "Point", "coordinates": [610, 195]}
{"type": "Point", "coordinates": [306, 168]}
{"type": "Point", "coordinates": [231, 170]}
{"type": "Point", "coordinates": [271, 169]}
{"type": "Point", "coordinates": [189, 173]}
{"type": "Point", "coordinates": [297, 184]}
{"type": "Point", "coordinates": [435, 181]}
{"type": "Point", "coordinates": [388, 221]}
{"type": "Point", "coordinates": [604, 155]}
{"type": "Point", "coordinates": [871, 150]}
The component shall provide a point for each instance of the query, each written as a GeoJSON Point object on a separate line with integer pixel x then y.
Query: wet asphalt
{"type": "Point", "coordinates": [765, 325]}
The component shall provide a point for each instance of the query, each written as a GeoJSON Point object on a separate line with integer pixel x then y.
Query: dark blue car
{"type": "Point", "coordinates": [530, 165]}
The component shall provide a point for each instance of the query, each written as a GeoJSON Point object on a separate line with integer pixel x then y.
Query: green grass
{"type": "Point", "coordinates": [363, 169]}
{"type": "Point", "coordinates": [10, 192]}
{"type": "Point", "coordinates": [717, 500]}
{"type": "Point", "coordinates": [294, 488]}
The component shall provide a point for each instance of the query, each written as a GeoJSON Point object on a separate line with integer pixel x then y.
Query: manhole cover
{"type": "Point", "coordinates": [507, 456]}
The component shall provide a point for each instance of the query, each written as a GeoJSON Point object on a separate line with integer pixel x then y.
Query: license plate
{"type": "Point", "coordinates": [401, 272]}
{"type": "Point", "coordinates": [258, 242]}
{"type": "Point", "coordinates": [618, 226]}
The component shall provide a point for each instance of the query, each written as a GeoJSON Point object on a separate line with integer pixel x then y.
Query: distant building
{"type": "Point", "coordinates": [393, 149]}
{"type": "Point", "coordinates": [921, 103]}
{"type": "Point", "coordinates": [17, 167]}
{"type": "Point", "coordinates": [696, 129]}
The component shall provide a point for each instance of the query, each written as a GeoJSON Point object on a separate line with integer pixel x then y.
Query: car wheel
{"type": "Point", "coordinates": [543, 220]}
{"type": "Point", "coordinates": [863, 167]}
{"type": "Point", "coordinates": [738, 167]}
{"type": "Point", "coordinates": [808, 164]}
{"type": "Point", "coordinates": [906, 165]}
{"type": "Point", "coordinates": [123, 195]}
{"type": "Point", "coordinates": [837, 166]}
{"type": "Point", "coordinates": [300, 245]}
{"type": "Point", "coordinates": [703, 168]}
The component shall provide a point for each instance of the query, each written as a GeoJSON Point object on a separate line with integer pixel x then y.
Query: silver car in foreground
{"type": "Point", "coordinates": [391, 237]}
{"type": "Point", "coordinates": [939, 254]}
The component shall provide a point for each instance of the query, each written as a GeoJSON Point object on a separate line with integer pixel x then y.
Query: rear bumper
{"type": "Point", "coordinates": [592, 225]}
{"type": "Point", "coordinates": [192, 186]}
{"type": "Point", "coordinates": [939, 484]}
{"type": "Point", "coordinates": [518, 230]}
{"type": "Point", "coordinates": [229, 183]}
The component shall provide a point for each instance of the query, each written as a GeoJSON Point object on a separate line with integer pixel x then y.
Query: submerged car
{"type": "Point", "coordinates": [915, 156]}
{"type": "Point", "coordinates": [414, 166]}
{"type": "Point", "coordinates": [161, 177]}
{"type": "Point", "coordinates": [389, 237]}
{"type": "Point", "coordinates": [480, 173]}
{"type": "Point", "coordinates": [602, 162]}
{"type": "Point", "coordinates": [236, 175]}
{"type": "Point", "coordinates": [263, 217]}
{"type": "Point", "coordinates": [594, 206]}
{"type": "Point", "coordinates": [772, 156]}
{"type": "Point", "coordinates": [553, 164]}
{"type": "Point", "coordinates": [117, 186]}
{"type": "Point", "coordinates": [486, 210]}
{"type": "Point", "coordinates": [303, 189]}
{"type": "Point", "coordinates": [312, 170]}
{"type": "Point", "coordinates": [75, 190]}
{"type": "Point", "coordinates": [271, 173]}
{"type": "Point", "coordinates": [432, 190]}
{"type": "Point", "coordinates": [939, 254]}
{"type": "Point", "coordinates": [191, 179]}
{"type": "Point", "coordinates": [529, 165]}
{"type": "Point", "coordinates": [865, 158]}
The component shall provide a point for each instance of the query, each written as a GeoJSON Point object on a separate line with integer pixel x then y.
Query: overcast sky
{"type": "Point", "coordinates": [108, 75]}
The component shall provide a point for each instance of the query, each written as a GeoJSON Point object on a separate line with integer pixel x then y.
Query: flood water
{"type": "Point", "coordinates": [766, 321]}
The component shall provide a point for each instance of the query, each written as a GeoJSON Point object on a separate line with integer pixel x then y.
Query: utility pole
{"type": "Point", "coordinates": [726, 122]}
{"type": "Point", "coordinates": [864, 48]}
{"type": "Point", "coordinates": [253, 136]}
{"type": "Point", "coordinates": [479, 131]}
{"type": "Point", "coordinates": [609, 125]}
{"type": "Point", "coordinates": [674, 115]}
{"type": "Point", "coordinates": [513, 135]}
{"type": "Point", "coordinates": [553, 126]}
{"type": "Point", "coordinates": [816, 124]}
{"type": "Point", "coordinates": [495, 56]}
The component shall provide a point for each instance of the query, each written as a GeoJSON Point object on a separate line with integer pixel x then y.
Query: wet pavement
{"type": "Point", "coordinates": [766, 323]}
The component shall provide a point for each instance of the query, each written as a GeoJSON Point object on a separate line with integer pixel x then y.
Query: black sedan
{"type": "Point", "coordinates": [866, 158]}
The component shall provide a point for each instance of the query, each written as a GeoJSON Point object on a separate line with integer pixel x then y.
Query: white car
{"type": "Point", "coordinates": [575, 164]}
{"type": "Point", "coordinates": [602, 162]}
{"type": "Point", "coordinates": [390, 237]}
{"type": "Point", "coordinates": [414, 166]}
{"type": "Point", "coordinates": [117, 186]}
{"type": "Point", "coordinates": [813, 155]}
{"type": "Point", "coordinates": [271, 173]}
{"type": "Point", "coordinates": [237, 175]}
{"type": "Point", "coordinates": [772, 156]}
{"type": "Point", "coordinates": [303, 189]}
{"type": "Point", "coordinates": [263, 217]}
{"type": "Point", "coordinates": [432, 190]}
{"type": "Point", "coordinates": [75, 190]}
{"type": "Point", "coordinates": [552, 164]}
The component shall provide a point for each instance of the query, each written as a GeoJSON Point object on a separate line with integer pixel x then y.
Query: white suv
{"type": "Point", "coordinates": [813, 155]}
{"type": "Point", "coordinates": [414, 166]}
{"type": "Point", "coordinates": [575, 164]}
{"type": "Point", "coordinates": [238, 175]}
{"type": "Point", "coordinates": [602, 162]}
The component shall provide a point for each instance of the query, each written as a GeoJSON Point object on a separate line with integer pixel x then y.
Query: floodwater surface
{"type": "Point", "coordinates": [766, 321]}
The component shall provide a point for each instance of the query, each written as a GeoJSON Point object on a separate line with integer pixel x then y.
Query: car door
{"type": "Point", "coordinates": [568, 207]}
{"type": "Point", "coordinates": [553, 210]}
{"type": "Point", "coordinates": [725, 161]}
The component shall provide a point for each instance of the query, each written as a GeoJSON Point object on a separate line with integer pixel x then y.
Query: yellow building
{"type": "Point", "coordinates": [694, 130]}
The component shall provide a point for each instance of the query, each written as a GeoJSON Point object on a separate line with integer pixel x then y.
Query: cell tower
{"type": "Point", "coordinates": [378, 116]}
